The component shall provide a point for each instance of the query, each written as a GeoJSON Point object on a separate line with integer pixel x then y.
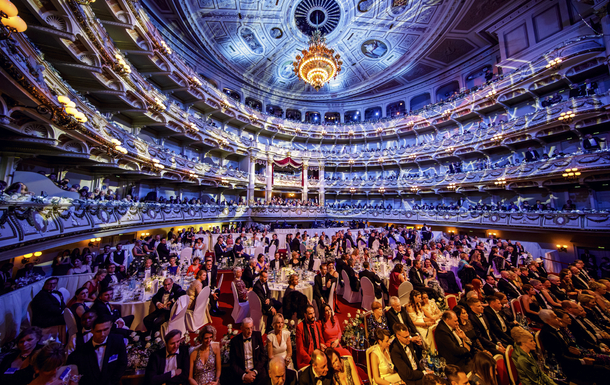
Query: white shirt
{"type": "Point", "coordinates": [209, 278]}
{"type": "Point", "coordinates": [171, 364]}
{"type": "Point", "coordinates": [100, 353]}
{"type": "Point", "coordinates": [114, 278]}
{"type": "Point", "coordinates": [248, 355]}
{"type": "Point", "coordinates": [459, 340]}
{"type": "Point", "coordinates": [501, 320]}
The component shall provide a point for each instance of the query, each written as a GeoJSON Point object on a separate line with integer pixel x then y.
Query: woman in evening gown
{"type": "Point", "coordinates": [205, 360]}
{"type": "Point", "coordinates": [278, 341]}
{"type": "Point", "coordinates": [382, 367]}
{"type": "Point", "coordinates": [331, 330]}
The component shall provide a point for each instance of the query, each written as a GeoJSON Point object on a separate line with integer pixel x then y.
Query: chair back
{"type": "Point", "coordinates": [222, 277]}
{"type": "Point", "coordinates": [510, 365]}
{"type": "Point", "coordinates": [177, 316]}
{"type": "Point", "coordinates": [302, 249]}
{"type": "Point", "coordinates": [65, 293]}
{"type": "Point", "coordinates": [331, 296]}
{"type": "Point", "coordinates": [155, 286]}
{"type": "Point", "coordinates": [186, 254]}
{"type": "Point", "coordinates": [256, 311]}
{"type": "Point", "coordinates": [70, 321]}
{"type": "Point", "coordinates": [434, 338]}
{"type": "Point", "coordinates": [375, 245]}
{"type": "Point", "coordinates": [258, 250]}
{"type": "Point", "coordinates": [503, 378]}
{"type": "Point", "coordinates": [369, 351]}
{"type": "Point", "coordinates": [316, 264]}
{"type": "Point", "coordinates": [368, 293]}
{"type": "Point", "coordinates": [272, 250]}
{"type": "Point", "coordinates": [240, 309]}
{"type": "Point", "coordinates": [392, 243]}
{"type": "Point", "coordinates": [199, 314]}
{"type": "Point", "coordinates": [349, 295]}
{"type": "Point", "coordinates": [515, 305]}
{"type": "Point", "coordinates": [451, 300]}
{"type": "Point", "coordinates": [404, 290]}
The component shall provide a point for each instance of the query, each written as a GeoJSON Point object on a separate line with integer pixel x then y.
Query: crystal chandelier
{"type": "Point", "coordinates": [318, 65]}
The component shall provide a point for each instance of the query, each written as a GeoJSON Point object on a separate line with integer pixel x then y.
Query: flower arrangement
{"type": "Point", "coordinates": [225, 341]}
{"type": "Point", "coordinates": [138, 350]}
{"type": "Point", "coordinates": [24, 281]}
{"type": "Point", "coordinates": [354, 333]}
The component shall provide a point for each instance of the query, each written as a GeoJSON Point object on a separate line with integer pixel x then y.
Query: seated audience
{"type": "Point", "coordinates": [525, 359]}
{"type": "Point", "coordinates": [250, 274]}
{"type": "Point", "coordinates": [451, 341]}
{"type": "Point", "coordinates": [317, 372]}
{"type": "Point", "coordinates": [195, 288]}
{"type": "Point", "coordinates": [47, 362]}
{"type": "Point", "coordinates": [163, 300]}
{"type": "Point", "coordinates": [483, 370]}
{"type": "Point", "coordinates": [103, 359]}
{"type": "Point", "coordinates": [483, 328]}
{"type": "Point", "coordinates": [382, 368]}
{"type": "Point", "coordinates": [530, 305]}
{"type": "Point", "coordinates": [421, 321]}
{"type": "Point", "coordinates": [205, 364]}
{"type": "Point", "coordinates": [247, 355]}
{"type": "Point", "coordinates": [113, 276]}
{"type": "Point", "coordinates": [378, 284]}
{"type": "Point", "coordinates": [399, 314]}
{"type": "Point", "coordinates": [270, 306]}
{"type": "Point", "coordinates": [48, 306]}
{"type": "Point", "coordinates": [397, 277]}
{"type": "Point", "coordinates": [321, 286]}
{"type": "Point", "coordinates": [102, 307]}
{"type": "Point", "coordinates": [500, 324]}
{"type": "Point", "coordinates": [308, 338]}
{"type": "Point", "coordinates": [279, 343]}
{"type": "Point", "coordinates": [94, 285]}
{"type": "Point", "coordinates": [16, 366]}
{"type": "Point", "coordinates": [78, 267]}
{"type": "Point", "coordinates": [404, 357]}
{"type": "Point", "coordinates": [29, 270]}
{"type": "Point", "coordinates": [78, 305]}
{"type": "Point", "coordinates": [240, 285]}
{"type": "Point", "coordinates": [376, 320]}
{"type": "Point", "coordinates": [455, 375]}
{"type": "Point", "coordinates": [344, 368]}
{"type": "Point", "coordinates": [148, 270]}
{"type": "Point", "coordinates": [278, 375]}
{"type": "Point", "coordinates": [331, 330]}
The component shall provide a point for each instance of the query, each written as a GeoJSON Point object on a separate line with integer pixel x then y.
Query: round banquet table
{"type": "Point", "coordinates": [278, 289]}
{"type": "Point", "coordinates": [139, 310]}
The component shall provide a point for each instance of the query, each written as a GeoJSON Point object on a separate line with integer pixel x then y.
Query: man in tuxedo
{"type": "Point", "coordinates": [211, 279]}
{"type": "Point", "coordinates": [577, 280]}
{"type": "Point", "coordinates": [456, 376]}
{"type": "Point", "coordinates": [354, 282]}
{"type": "Point", "coordinates": [379, 286]}
{"type": "Point", "coordinates": [220, 250]}
{"type": "Point", "coordinates": [576, 367]}
{"type": "Point", "coordinates": [556, 289]}
{"type": "Point", "coordinates": [148, 268]}
{"type": "Point", "coordinates": [163, 300]}
{"type": "Point", "coordinates": [499, 324]}
{"type": "Point", "coordinates": [506, 286]}
{"type": "Point", "coordinates": [591, 143]}
{"type": "Point", "coordinates": [278, 374]}
{"type": "Point", "coordinates": [118, 257]}
{"type": "Point", "coordinates": [399, 315]}
{"type": "Point", "coordinates": [417, 279]}
{"type": "Point", "coordinates": [585, 332]}
{"type": "Point", "coordinates": [531, 155]}
{"type": "Point", "coordinates": [317, 372]}
{"type": "Point", "coordinates": [404, 357]}
{"type": "Point", "coordinates": [163, 250]}
{"type": "Point", "coordinates": [348, 237]}
{"type": "Point", "coordinates": [102, 307]}
{"type": "Point", "coordinates": [295, 244]}
{"type": "Point", "coordinates": [102, 258]}
{"type": "Point", "coordinates": [340, 265]}
{"type": "Point", "coordinates": [490, 287]}
{"type": "Point", "coordinates": [83, 335]}
{"type": "Point", "coordinates": [274, 241]}
{"type": "Point", "coordinates": [113, 276]}
{"type": "Point", "coordinates": [103, 359]}
{"type": "Point", "coordinates": [452, 343]}
{"type": "Point", "coordinates": [308, 338]}
{"type": "Point", "coordinates": [169, 366]}
{"type": "Point", "coordinates": [28, 271]}
{"type": "Point", "coordinates": [248, 356]}
{"type": "Point", "coordinates": [250, 274]}
{"type": "Point", "coordinates": [270, 306]}
{"type": "Point", "coordinates": [321, 286]}
{"type": "Point", "coordinates": [481, 325]}
{"type": "Point", "coordinates": [48, 306]}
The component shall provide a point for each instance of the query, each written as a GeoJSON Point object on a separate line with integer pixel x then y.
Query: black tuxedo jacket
{"type": "Point", "coordinates": [263, 294]}
{"type": "Point", "coordinates": [489, 290]}
{"type": "Point", "coordinates": [174, 294]}
{"type": "Point", "coordinates": [238, 360]}
{"type": "Point", "coordinates": [218, 252]}
{"type": "Point", "coordinates": [340, 265]}
{"type": "Point", "coordinates": [530, 156]}
{"type": "Point", "coordinates": [578, 283]}
{"type": "Point", "coordinates": [416, 279]}
{"type": "Point", "coordinates": [320, 290]}
{"type": "Point", "coordinates": [306, 377]}
{"type": "Point", "coordinates": [163, 251]}
{"type": "Point", "coordinates": [402, 364]}
{"type": "Point", "coordinates": [276, 264]}
{"type": "Point", "coordinates": [155, 370]}
{"type": "Point", "coordinates": [555, 343]}
{"type": "Point", "coordinates": [153, 270]}
{"type": "Point", "coordinates": [510, 291]}
{"type": "Point", "coordinates": [449, 347]}
{"type": "Point", "coordinates": [496, 326]}
{"type": "Point", "coordinates": [100, 309]}
{"type": "Point", "coordinates": [47, 310]}
{"type": "Point", "coordinates": [295, 245]}
{"type": "Point", "coordinates": [248, 276]}
{"type": "Point", "coordinates": [584, 336]}
{"type": "Point", "coordinates": [392, 317]}
{"type": "Point", "coordinates": [113, 364]}
{"type": "Point", "coordinates": [213, 276]}
{"type": "Point", "coordinates": [485, 335]}
{"type": "Point", "coordinates": [108, 279]}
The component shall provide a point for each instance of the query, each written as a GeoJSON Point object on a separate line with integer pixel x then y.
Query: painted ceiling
{"type": "Point", "coordinates": [386, 45]}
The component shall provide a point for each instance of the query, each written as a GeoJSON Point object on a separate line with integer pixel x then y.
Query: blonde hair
{"type": "Point", "coordinates": [520, 335]}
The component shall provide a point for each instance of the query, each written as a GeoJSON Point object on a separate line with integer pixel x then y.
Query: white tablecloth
{"type": "Point", "coordinates": [138, 309]}
{"type": "Point", "coordinates": [13, 305]}
{"type": "Point", "coordinates": [278, 289]}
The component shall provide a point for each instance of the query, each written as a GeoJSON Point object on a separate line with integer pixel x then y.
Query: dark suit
{"type": "Point", "coordinates": [295, 245]}
{"type": "Point", "coordinates": [531, 156]}
{"type": "Point", "coordinates": [485, 335]}
{"type": "Point", "coordinates": [100, 308]}
{"type": "Point", "coordinates": [308, 378]}
{"type": "Point", "coordinates": [495, 325]}
{"type": "Point", "coordinates": [354, 283]}
{"type": "Point", "coordinates": [238, 361]}
{"type": "Point", "coordinates": [163, 251]}
{"type": "Point", "coordinates": [114, 362]}
{"type": "Point", "coordinates": [320, 290]}
{"type": "Point", "coordinates": [108, 279]}
{"type": "Point", "coordinates": [449, 347]}
{"type": "Point", "coordinates": [489, 290]}
{"type": "Point", "coordinates": [155, 370]}
{"type": "Point", "coordinates": [511, 291]}
{"type": "Point", "coordinates": [579, 283]}
{"type": "Point", "coordinates": [218, 251]}
{"type": "Point", "coordinates": [47, 311]}
{"type": "Point", "coordinates": [417, 279]}
{"type": "Point", "coordinates": [377, 283]}
{"type": "Point", "coordinates": [392, 317]}
{"type": "Point", "coordinates": [154, 320]}
{"type": "Point", "coordinates": [264, 293]}
{"type": "Point", "coordinates": [142, 270]}
{"type": "Point", "coordinates": [583, 334]}
{"type": "Point", "coordinates": [409, 374]}
{"type": "Point", "coordinates": [249, 276]}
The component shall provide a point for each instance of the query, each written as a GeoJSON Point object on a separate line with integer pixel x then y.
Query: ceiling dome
{"type": "Point", "coordinates": [387, 46]}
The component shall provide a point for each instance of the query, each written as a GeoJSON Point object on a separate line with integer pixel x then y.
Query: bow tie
{"type": "Point", "coordinates": [248, 339]}
{"type": "Point", "coordinates": [171, 355]}
{"type": "Point", "coordinates": [316, 379]}
{"type": "Point", "coordinates": [99, 346]}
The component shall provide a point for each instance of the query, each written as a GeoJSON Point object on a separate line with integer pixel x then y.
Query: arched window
{"type": "Point", "coordinates": [254, 104]}
{"type": "Point", "coordinates": [352, 117]}
{"type": "Point", "coordinates": [373, 113]}
{"type": "Point", "coordinates": [395, 109]}
{"type": "Point", "coordinates": [232, 94]}
{"type": "Point", "coordinates": [293, 115]}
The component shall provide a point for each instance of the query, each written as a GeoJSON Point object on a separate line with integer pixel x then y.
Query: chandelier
{"type": "Point", "coordinates": [318, 65]}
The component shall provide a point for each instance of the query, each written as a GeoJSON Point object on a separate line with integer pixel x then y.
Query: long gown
{"type": "Point", "coordinates": [331, 334]}
{"type": "Point", "coordinates": [280, 349]}
{"type": "Point", "coordinates": [425, 333]}
{"type": "Point", "coordinates": [205, 372]}
{"type": "Point", "coordinates": [386, 367]}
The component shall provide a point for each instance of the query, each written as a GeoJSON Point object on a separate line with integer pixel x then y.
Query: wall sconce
{"type": "Point", "coordinates": [291, 195]}
{"type": "Point", "coordinates": [70, 108]}
{"type": "Point", "coordinates": [165, 49]}
{"type": "Point", "coordinates": [323, 132]}
{"type": "Point", "coordinates": [10, 22]}
{"type": "Point", "coordinates": [571, 173]}
{"type": "Point", "coordinates": [492, 234]}
{"type": "Point", "coordinates": [562, 248]}
{"type": "Point", "coordinates": [497, 138]}
{"type": "Point", "coordinates": [350, 132]}
{"type": "Point", "coordinates": [452, 186]}
{"type": "Point", "coordinates": [554, 64]}
{"type": "Point", "coordinates": [144, 235]}
{"type": "Point", "coordinates": [382, 190]}
{"type": "Point", "coordinates": [159, 106]}
{"type": "Point", "coordinates": [196, 81]}
{"type": "Point", "coordinates": [492, 93]}
{"type": "Point", "coordinates": [449, 150]}
{"type": "Point", "coordinates": [379, 130]}
{"type": "Point", "coordinates": [351, 161]}
{"type": "Point", "coordinates": [414, 189]}
{"type": "Point", "coordinates": [31, 257]}
{"type": "Point", "coordinates": [568, 116]}
{"type": "Point", "coordinates": [157, 165]}
{"type": "Point", "coordinates": [122, 67]}
{"type": "Point", "coordinates": [381, 159]}
{"type": "Point", "coordinates": [95, 242]}
{"type": "Point", "coordinates": [500, 182]}
{"type": "Point", "coordinates": [192, 128]}
{"type": "Point", "coordinates": [452, 232]}
{"type": "Point", "coordinates": [352, 190]}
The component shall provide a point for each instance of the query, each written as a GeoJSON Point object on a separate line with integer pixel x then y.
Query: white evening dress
{"type": "Point", "coordinates": [425, 333]}
{"type": "Point", "coordinates": [280, 349]}
{"type": "Point", "coordinates": [386, 367]}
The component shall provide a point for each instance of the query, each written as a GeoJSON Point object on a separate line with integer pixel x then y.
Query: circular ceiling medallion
{"type": "Point", "coordinates": [374, 49]}
{"type": "Point", "coordinates": [310, 15]}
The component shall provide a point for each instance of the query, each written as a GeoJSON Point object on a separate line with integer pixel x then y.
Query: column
{"type": "Point", "coordinates": [384, 110]}
{"type": "Point", "coordinates": [321, 184]}
{"type": "Point", "coordinates": [303, 111]}
{"type": "Point", "coordinates": [305, 182]}
{"type": "Point", "coordinates": [268, 178]}
{"type": "Point", "coordinates": [251, 178]}
{"type": "Point", "coordinates": [8, 165]}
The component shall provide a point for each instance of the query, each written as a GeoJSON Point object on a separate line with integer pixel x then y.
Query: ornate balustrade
{"type": "Point", "coordinates": [31, 226]}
